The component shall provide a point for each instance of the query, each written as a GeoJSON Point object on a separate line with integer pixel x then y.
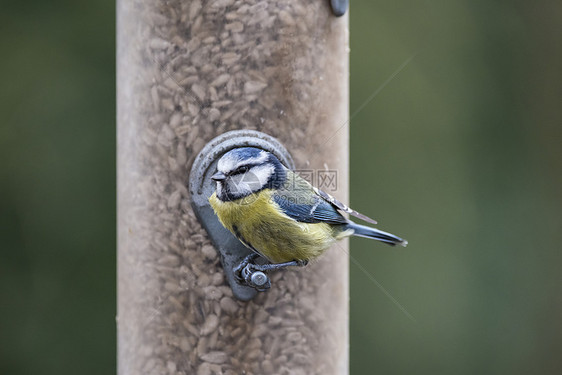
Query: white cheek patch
{"type": "Point", "coordinates": [238, 187]}
{"type": "Point", "coordinates": [262, 173]}
{"type": "Point", "coordinates": [247, 183]}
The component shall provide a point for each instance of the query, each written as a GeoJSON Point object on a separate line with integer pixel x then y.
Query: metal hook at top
{"type": "Point", "coordinates": [339, 7]}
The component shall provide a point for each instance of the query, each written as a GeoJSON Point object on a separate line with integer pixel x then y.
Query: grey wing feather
{"type": "Point", "coordinates": [311, 210]}
{"type": "Point", "coordinates": [340, 206]}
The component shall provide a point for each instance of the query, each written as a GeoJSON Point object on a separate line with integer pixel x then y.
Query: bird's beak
{"type": "Point", "coordinates": [219, 176]}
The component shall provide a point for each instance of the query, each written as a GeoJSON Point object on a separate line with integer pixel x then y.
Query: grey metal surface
{"type": "Point", "coordinates": [339, 7]}
{"type": "Point", "coordinates": [201, 187]}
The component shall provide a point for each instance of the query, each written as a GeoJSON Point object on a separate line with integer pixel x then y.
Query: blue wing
{"type": "Point", "coordinates": [301, 201]}
{"type": "Point", "coordinates": [314, 209]}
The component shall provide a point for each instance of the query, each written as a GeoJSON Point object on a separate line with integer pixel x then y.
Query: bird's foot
{"type": "Point", "coordinates": [238, 269]}
{"type": "Point", "coordinates": [253, 275]}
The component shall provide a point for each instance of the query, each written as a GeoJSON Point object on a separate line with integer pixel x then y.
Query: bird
{"type": "Point", "coordinates": [278, 214]}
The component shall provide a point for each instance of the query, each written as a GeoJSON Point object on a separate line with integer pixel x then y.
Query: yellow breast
{"type": "Point", "coordinates": [260, 224]}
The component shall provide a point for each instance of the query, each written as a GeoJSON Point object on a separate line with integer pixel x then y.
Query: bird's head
{"type": "Point", "coordinates": [245, 171]}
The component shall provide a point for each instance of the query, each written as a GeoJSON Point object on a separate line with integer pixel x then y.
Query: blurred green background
{"type": "Point", "coordinates": [459, 153]}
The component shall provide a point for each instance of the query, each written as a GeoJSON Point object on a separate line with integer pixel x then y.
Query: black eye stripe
{"type": "Point", "coordinates": [240, 170]}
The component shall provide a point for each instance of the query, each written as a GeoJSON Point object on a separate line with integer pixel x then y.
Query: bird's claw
{"type": "Point", "coordinates": [255, 277]}
{"type": "Point", "coordinates": [238, 269]}
{"type": "Point", "coordinates": [252, 275]}
{"type": "Point", "coordinates": [238, 273]}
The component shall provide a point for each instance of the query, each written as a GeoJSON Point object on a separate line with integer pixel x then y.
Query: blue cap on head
{"type": "Point", "coordinates": [243, 153]}
{"type": "Point", "coordinates": [242, 156]}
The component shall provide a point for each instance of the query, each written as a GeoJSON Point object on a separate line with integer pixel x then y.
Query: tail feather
{"type": "Point", "coordinates": [368, 232]}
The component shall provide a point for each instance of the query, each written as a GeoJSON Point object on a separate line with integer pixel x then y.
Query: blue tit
{"type": "Point", "coordinates": [278, 214]}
